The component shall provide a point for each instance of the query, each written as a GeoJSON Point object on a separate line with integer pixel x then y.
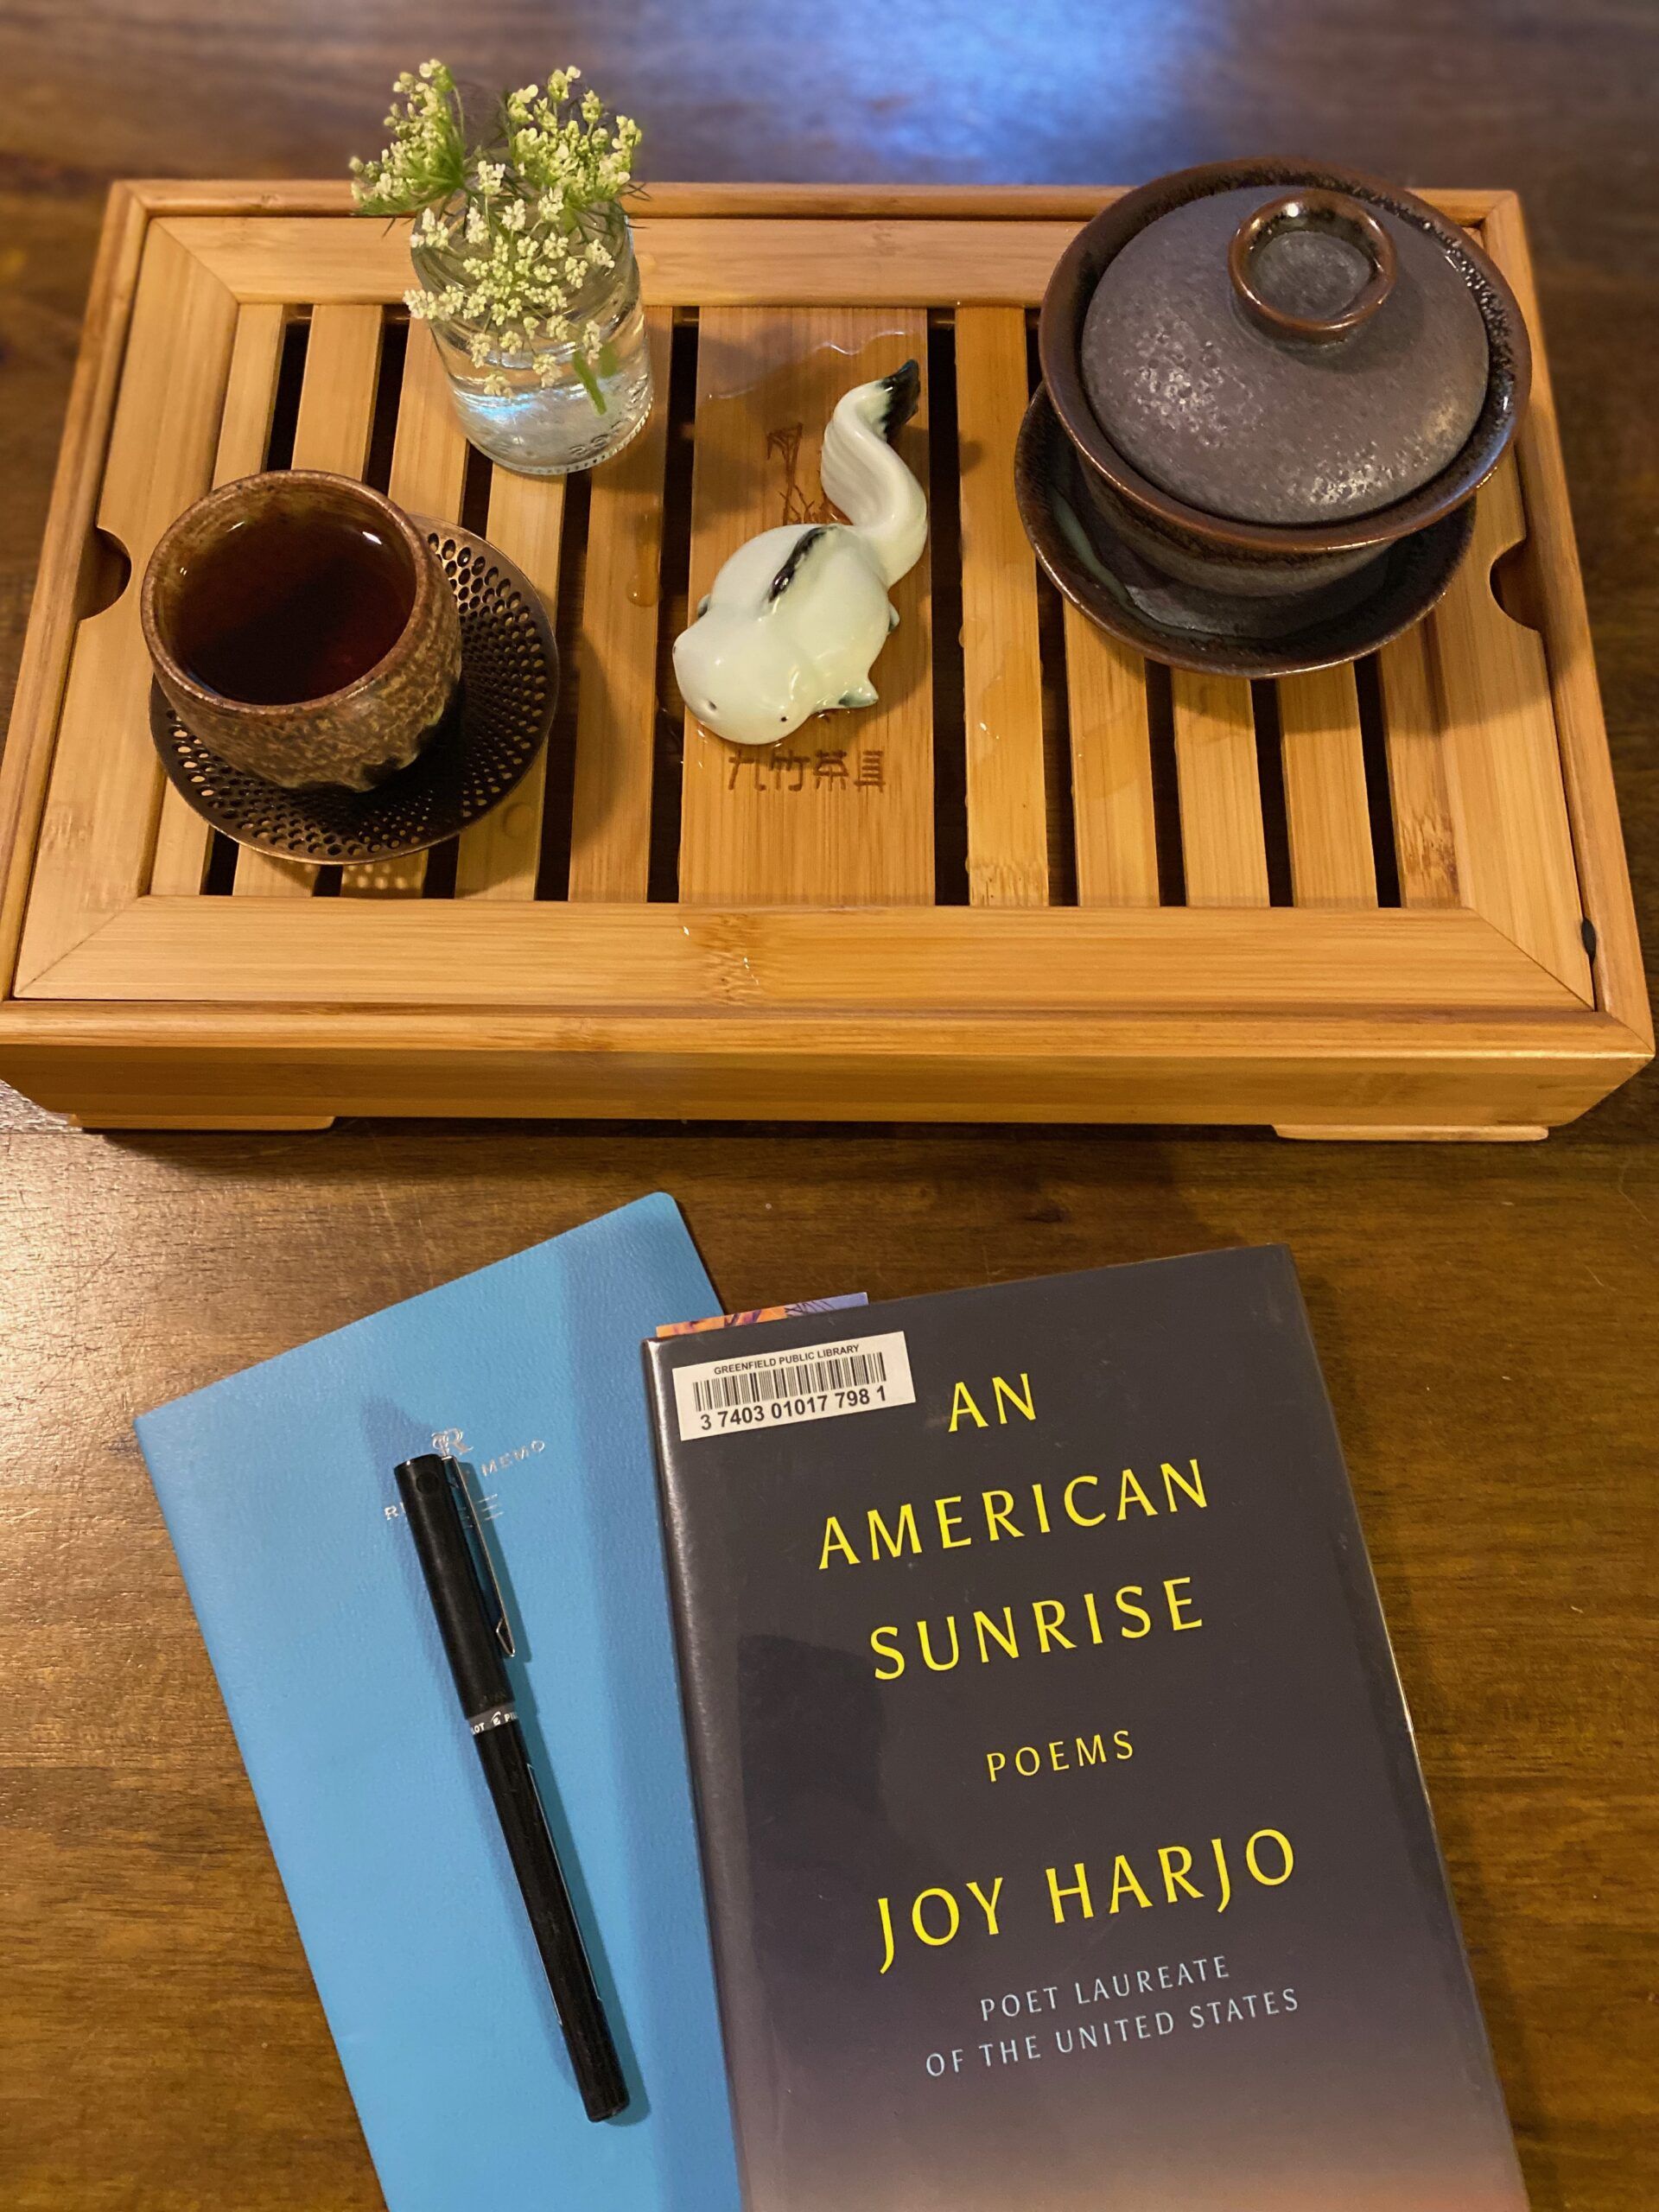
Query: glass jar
{"type": "Point", "coordinates": [554, 406]}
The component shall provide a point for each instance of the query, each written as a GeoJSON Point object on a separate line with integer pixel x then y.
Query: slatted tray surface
{"type": "Point", "coordinates": [1042, 878]}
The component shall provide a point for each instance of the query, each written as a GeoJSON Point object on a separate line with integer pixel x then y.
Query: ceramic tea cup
{"type": "Point", "coordinates": [300, 625]}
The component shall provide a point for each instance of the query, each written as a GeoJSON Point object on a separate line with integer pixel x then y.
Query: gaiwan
{"type": "Point", "coordinates": [798, 615]}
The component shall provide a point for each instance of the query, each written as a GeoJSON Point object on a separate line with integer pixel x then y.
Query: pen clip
{"type": "Point", "coordinates": [503, 1626]}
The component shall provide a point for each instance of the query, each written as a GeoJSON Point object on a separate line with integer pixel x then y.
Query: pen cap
{"type": "Point", "coordinates": [433, 1511]}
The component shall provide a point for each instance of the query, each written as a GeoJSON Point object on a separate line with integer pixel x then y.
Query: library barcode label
{"type": "Point", "coordinates": [770, 1390]}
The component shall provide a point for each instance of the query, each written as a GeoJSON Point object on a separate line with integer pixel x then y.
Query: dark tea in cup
{"type": "Point", "coordinates": [293, 607]}
{"type": "Point", "coordinates": [301, 625]}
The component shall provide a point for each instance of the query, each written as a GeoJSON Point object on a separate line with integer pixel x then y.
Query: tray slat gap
{"type": "Point", "coordinates": [1373, 738]}
{"type": "Point", "coordinates": [290, 382]}
{"type": "Point", "coordinates": [388, 392]}
{"type": "Point", "coordinates": [1061, 826]}
{"type": "Point", "coordinates": [668, 727]}
{"type": "Point", "coordinates": [1270, 782]}
{"type": "Point", "coordinates": [558, 782]}
{"type": "Point", "coordinates": [476, 492]}
{"type": "Point", "coordinates": [944, 560]}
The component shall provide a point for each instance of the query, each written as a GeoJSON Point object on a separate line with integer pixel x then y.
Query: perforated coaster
{"type": "Point", "coordinates": [509, 686]}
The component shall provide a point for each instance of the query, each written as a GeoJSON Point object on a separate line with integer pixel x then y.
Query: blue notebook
{"type": "Point", "coordinates": [278, 1492]}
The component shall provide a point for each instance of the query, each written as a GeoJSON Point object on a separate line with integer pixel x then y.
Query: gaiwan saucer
{"type": "Point", "coordinates": [1213, 631]}
{"type": "Point", "coordinates": [495, 729]}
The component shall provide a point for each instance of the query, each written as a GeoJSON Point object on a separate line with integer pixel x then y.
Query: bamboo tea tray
{"type": "Point", "coordinates": [1041, 881]}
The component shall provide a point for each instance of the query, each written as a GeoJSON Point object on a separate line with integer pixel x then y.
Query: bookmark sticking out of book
{"type": "Point", "coordinates": [762, 1313]}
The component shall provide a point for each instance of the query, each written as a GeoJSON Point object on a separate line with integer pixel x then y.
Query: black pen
{"type": "Point", "coordinates": [435, 1493]}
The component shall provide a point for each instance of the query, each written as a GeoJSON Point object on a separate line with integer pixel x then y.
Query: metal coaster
{"type": "Point", "coordinates": [509, 687]}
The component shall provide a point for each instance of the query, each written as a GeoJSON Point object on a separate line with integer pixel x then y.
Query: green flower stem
{"type": "Point", "coordinates": [580, 363]}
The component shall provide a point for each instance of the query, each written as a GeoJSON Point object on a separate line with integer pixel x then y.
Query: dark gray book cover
{"type": "Point", "coordinates": [1063, 1834]}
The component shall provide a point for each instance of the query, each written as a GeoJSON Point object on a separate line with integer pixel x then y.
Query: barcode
{"type": "Point", "coordinates": [801, 1377]}
{"type": "Point", "coordinates": [807, 1383]}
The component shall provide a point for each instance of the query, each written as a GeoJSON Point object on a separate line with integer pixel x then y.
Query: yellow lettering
{"type": "Point", "coordinates": [1175, 1877]}
{"type": "Point", "coordinates": [835, 1539]}
{"type": "Point", "coordinates": [984, 1626]}
{"type": "Point", "coordinates": [1125, 1749]}
{"type": "Point", "coordinates": [948, 1521]}
{"type": "Point", "coordinates": [1130, 1488]}
{"type": "Point", "coordinates": [1082, 1520]}
{"type": "Point", "coordinates": [1049, 1614]}
{"type": "Point", "coordinates": [997, 1520]}
{"type": "Point", "coordinates": [1041, 1504]}
{"type": "Point", "coordinates": [988, 1905]}
{"type": "Point", "coordinates": [937, 1667]}
{"type": "Point", "coordinates": [1178, 1604]}
{"type": "Point", "coordinates": [1093, 1612]}
{"type": "Point", "coordinates": [889, 1651]}
{"type": "Point", "coordinates": [1091, 1750]}
{"type": "Point", "coordinates": [1079, 1889]}
{"type": "Point", "coordinates": [1174, 1480]}
{"type": "Point", "coordinates": [920, 1925]}
{"type": "Point", "coordinates": [994, 1762]}
{"type": "Point", "coordinates": [885, 1912]}
{"type": "Point", "coordinates": [1131, 1590]}
{"type": "Point", "coordinates": [906, 1538]}
{"type": "Point", "coordinates": [1002, 1391]}
{"type": "Point", "coordinates": [1123, 1883]}
{"type": "Point", "coordinates": [1221, 1869]}
{"type": "Point", "coordinates": [1269, 1881]}
{"type": "Point", "coordinates": [964, 1408]}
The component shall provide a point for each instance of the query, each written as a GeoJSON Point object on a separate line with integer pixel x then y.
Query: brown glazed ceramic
{"type": "Point", "coordinates": [1215, 633]}
{"type": "Point", "coordinates": [1271, 371]}
{"type": "Point", "coordinates": [373, 651]}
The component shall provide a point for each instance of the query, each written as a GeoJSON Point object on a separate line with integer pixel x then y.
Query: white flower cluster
{"type": "Point", "coordinates": [426, 161]}
{"type": "Point", "coordinates": [503, 222]}
{"type": "Point", "coordinates": [578, 159]}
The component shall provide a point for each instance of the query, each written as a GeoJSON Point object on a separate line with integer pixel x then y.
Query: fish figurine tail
{"type": "Point", "coordinates": [865, 477]}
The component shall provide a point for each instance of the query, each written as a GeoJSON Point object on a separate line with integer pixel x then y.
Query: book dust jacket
{"type": "Point", "coordinates": [1064, 1835]}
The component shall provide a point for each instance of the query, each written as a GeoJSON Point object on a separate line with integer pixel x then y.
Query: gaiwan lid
{"type": "Point", "coordinates": [1285, 356]}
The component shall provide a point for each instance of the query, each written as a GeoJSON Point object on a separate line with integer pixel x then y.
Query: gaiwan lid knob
{"type": "Point", "coordinates": [1285, 356]}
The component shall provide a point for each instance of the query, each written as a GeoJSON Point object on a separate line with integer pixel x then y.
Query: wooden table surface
{"type": "Point", "coordinates": [1485, 1314]}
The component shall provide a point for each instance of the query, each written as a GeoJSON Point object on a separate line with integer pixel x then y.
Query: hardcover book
{"type": "Point", "coordinates": [278, 1490]}
{"type": "Point", "coordinates": [1063, 1829]}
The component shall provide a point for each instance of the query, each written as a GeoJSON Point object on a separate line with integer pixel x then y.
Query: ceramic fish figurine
{"type": "Point", "coordinates": [798, 615]}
